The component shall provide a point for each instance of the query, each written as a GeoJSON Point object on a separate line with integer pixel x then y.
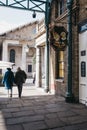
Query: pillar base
{"type": "Point", "coordinates": [46, 90]}
{"type": "Point", "coordinates": [70, 98]}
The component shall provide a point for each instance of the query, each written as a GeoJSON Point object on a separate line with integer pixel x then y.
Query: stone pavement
{"type": "Point", "coordinates": [38, 110]}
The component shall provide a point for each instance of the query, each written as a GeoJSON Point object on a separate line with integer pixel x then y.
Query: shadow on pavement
{"type": "Point", "coordinates": [37, 110]}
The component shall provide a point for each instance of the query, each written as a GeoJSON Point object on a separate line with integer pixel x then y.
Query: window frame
{"type": "Point", "coordinates": [61, 7]}
{"type": "Point", "coordinates": [83, 69]}
{"type": "Point", "coordinates": [29, 68]}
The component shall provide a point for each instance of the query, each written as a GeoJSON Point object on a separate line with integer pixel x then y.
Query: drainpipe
{"type": "Point", "coordinates": [69, 95]}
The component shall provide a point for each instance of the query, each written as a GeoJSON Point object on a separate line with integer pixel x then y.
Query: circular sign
{"type": "Point", "coordinates": [58, 38]}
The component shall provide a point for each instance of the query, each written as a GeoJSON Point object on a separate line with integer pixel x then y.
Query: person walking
{"type": "Point", "coordinates": [34, 77]}
{"type": "Point", "coordinates": [20, 78]}
{"type": "Point", "coordinates": [8, 80]}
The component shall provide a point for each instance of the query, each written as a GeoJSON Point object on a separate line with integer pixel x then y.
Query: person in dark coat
{"type": "Point", "coordinates": [34, 78]}
{"type": "Point", "coordinates": [8, 80]}
{"type": "Point", "coordinates": [20, 78]}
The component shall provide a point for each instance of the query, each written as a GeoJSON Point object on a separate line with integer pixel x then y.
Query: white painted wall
{"type": "Point", "coordinates": [82, 80]}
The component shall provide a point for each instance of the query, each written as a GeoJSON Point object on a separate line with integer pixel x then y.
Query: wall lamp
{"type": "Point", "coordinates": [34, 15]}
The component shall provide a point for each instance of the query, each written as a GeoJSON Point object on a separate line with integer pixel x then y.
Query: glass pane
{"type": "Point", "coordinates": [12, 55]}
{"type": "Point", "coordinates": [61, 65]}
{"type": "Point", "coordinates": [62, 6]}
{"type": "Point", "coordinates": [61, 73]}
{"type": "Point", "coordinates": [83, 69]}
{"type": "Point", "coordinates": [61, 56]}
{"type": "Point", "coordinates": [29, 68]}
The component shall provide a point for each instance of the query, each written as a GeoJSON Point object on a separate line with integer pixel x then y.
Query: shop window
{"type": "Point", "coordinates": [61, 6]}
{"type": "Point", "coordinates": [60, 65]}
{"type": "Point", "coordinates": [12, 55]}
{"type": "Point", "coordinates": [83, 69]}
{"type": "Point", "coordinates": [29, 68]}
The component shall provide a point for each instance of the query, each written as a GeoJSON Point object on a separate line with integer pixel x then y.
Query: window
{"type": "Point", "coordinates": [12, 55]}
{"type": "Point", "coordinates": [61, 6]}
{"type": "Point", "coordinates": [83, 69]}
{"type": "Point", "coordinates": [60, 65]}
{"type": "Point", "coordinates": [29, 68]}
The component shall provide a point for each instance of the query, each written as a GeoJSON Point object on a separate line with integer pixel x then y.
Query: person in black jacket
{"type": "Point", "coordinates": [20, 78]}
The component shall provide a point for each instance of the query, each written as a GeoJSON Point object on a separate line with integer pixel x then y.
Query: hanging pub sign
{"type": "Point", "coordinates": [58, 38]}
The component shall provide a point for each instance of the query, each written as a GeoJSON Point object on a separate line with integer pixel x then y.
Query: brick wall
{"type": "Point", "coordinates": [61, 87]}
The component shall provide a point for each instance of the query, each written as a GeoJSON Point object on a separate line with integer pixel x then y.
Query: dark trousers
{"type": "Point", "coordinates": [20, 86]}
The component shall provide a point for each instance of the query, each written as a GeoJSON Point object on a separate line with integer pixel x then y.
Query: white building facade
{"type": "Point", "coordinates": [18, 47]}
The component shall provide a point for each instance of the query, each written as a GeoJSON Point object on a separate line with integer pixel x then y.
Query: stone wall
{"type": "Point", "coordinates": [82, 10]}
{"type": "Point", "coordinates": [61, 85]}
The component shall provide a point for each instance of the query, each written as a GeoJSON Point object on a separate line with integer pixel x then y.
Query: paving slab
{"type": "Point", "coordinates": [37, 110]}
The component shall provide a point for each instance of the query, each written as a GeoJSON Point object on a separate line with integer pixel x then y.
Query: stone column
{"type": "Point", "coordinates": [38, 68]}
{"type": "Point", "coordinates": [24, 57]}
{"type": "Point", "coordinates": [5, 52]}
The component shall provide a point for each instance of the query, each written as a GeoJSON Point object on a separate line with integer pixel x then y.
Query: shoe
{"type": "Point", "coordinates": [10, 95]}
{"type": "Point", "coordinates": [19, 96]}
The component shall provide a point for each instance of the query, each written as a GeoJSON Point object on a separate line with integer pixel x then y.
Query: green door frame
{"type": "Point", "coordinates": [69, 93]}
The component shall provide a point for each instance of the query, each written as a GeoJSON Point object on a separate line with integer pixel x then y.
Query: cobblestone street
{"type": "Point", "coordinates": [38, 110]}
